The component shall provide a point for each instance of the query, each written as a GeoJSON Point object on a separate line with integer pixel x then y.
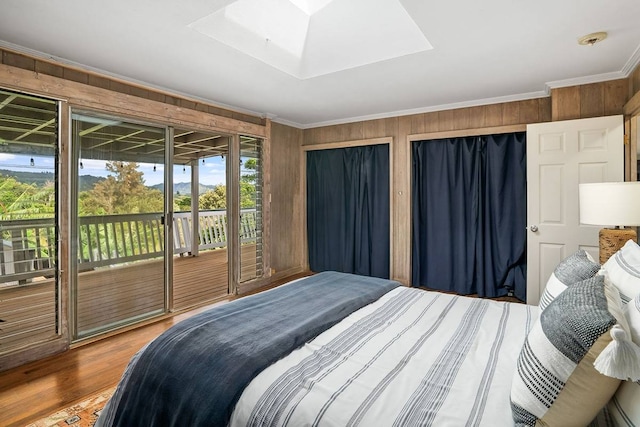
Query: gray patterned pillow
{"type": "Point", "coordinates": [573, 269]}
{"type": "Point", "coordinates": [556, 382]}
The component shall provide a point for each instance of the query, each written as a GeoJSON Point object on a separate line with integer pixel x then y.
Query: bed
{"type": "Point", "coordinates": [336, 349]}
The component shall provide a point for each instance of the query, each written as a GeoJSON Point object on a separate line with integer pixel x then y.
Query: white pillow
{"type": "Point", "coordinates": [623, 269]}
{"type": "Point", "coordinates": [624, 406]}
{"type": "Point", "coordinates": [632, 312]}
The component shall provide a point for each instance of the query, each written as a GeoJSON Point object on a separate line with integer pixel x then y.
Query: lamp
{"type": "Point", "coordinates": [611, 204]}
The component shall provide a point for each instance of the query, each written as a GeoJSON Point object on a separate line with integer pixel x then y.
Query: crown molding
{"type": "Point", "coordinates": [632, 63]}
{"type": "Point", "coordinates": [577, 81]}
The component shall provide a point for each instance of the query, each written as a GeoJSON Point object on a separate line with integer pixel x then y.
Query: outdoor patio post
{"type": "Point", "coordinates": [195, 193]}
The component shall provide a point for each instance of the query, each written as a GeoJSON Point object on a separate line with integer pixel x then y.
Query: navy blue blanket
{"type": "Point", "coordinates": [194, 373]}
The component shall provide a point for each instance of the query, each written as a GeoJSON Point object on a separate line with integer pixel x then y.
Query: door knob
{"type": "Point", "coordinates": [534, 228]}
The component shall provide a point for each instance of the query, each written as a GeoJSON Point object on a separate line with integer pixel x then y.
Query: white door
{"type": "Point", "coordinates": [560, 155]}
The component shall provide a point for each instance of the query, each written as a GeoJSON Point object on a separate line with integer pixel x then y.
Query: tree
{"type": "Point", "coordinates": [214, 199]}
{"type": "Point", "coordinates": [20, 200]}
{"type": "Point", "coordinates": [122, 192]}
{"type": "Point", "coordinates": [182, 203]}
{"type": "Point", "coordinates": [247, 195]}
{"type": "Point", "coordinates": [248, 184]}
{"type": "Point", "coordinates": [250, 177]}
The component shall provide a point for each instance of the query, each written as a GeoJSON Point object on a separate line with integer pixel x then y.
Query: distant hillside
{"type": "Point", "coordinates": [41, 178]}
{"type": "Point", "coordinates": [88, 181]}
{"type": "Point", "coordinates": [37, 178]}
{"type": "Point", "coordinates": [185, 188]}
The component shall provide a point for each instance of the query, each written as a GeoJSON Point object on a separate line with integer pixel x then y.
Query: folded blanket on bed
{"type": "Point", "coordinates": [194, 373]}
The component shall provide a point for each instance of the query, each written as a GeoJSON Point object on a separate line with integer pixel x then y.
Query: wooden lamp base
{"type": "Point", "coordinates": [612, 239]}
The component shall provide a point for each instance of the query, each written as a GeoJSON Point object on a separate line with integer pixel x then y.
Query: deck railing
{"type": "Point", "coordinates": [212, 229]}
{"type": "Point", "coordinates": [28, 246]}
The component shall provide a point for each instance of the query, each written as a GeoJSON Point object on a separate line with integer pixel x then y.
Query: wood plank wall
{"type": "Point", "coordinates": [591, 100]}
{"type": "Point", "coordinates": [286, 203]}
{"type": "Point", "coordinates": [634, 81]}
{"type": "Point", "coordinates": [583, 101]}
{"type": "Point", "coordinates": [632, 123]}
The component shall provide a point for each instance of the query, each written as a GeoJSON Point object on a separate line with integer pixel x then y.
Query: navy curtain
{"type": "Point", "coordinates": [469, 215]}
{"type": "Point", "coordinates": [348, 210]}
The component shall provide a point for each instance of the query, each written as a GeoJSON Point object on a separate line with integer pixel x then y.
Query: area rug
{"type": "Point", "coordinates": [82, 414]}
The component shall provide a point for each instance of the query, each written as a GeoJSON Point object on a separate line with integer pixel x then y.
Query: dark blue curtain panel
{"type": "Point", "coordinates": [469, 203]}
{"type": "Point", "coordinates": [348, 210]}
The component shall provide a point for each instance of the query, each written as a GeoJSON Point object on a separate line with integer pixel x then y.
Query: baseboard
{"type": "Point", "coordinates": [33, 352]}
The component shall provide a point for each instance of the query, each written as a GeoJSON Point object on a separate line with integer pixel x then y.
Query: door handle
{"type": "Point", "coordinates": [533, 228]}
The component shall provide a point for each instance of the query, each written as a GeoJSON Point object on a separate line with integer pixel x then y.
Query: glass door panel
{"type": "Point", "coordinates": [201, 263]}
{"type": "Point", "coordinates": [250, 226]}
{"type": "Point", "coordinates": [119, 230]}
{"type": "Point", "coordinates": [28, 213]}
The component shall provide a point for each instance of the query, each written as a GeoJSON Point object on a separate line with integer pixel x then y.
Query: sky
{"type": "Point", "coordinates": [212, 172]}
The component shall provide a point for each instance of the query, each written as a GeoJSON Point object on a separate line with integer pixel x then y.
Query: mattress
{"type": "Point", "coordinates": [410, 358]}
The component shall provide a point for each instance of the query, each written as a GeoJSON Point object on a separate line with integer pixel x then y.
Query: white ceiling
{"type": "Point", "coordinates": [482, 51]}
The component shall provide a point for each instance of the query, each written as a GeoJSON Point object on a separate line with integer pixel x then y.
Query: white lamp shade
{"type": "Point", "coordinates": [610, 203]}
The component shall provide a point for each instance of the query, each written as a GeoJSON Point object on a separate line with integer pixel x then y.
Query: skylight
{"type": "Point", "coordinates": [309, 38]}
{"type": "Point", "coordinates": [311, 6]}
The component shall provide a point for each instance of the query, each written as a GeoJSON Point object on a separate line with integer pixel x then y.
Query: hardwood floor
{"type": "Point", "coordinates": [37, 389]}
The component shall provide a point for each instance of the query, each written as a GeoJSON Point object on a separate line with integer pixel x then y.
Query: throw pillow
{"type": "Point", "coordinates": [623, 269]}
{"type": "Point", "coordinates": [575, 268]}
{"type": "Point", "coordinates": [556, 383]}
{"type": "Point", "coordinates": [624, 406]}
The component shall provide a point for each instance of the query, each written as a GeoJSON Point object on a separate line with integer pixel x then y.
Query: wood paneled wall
{"type": "Point", "coordinates": [286, 203]}
{"type": "Point", "coordinates": [485, 116]}
{"type": "Point", "coordinates": [632, 125]}
{"type": "Point", "coordinates": [592, 100]}
{"type": "Point", "coordinates": [598, 99]}
{"type": "Point", "coordinates": [634, 81]}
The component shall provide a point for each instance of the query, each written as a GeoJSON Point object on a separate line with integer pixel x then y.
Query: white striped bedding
{"type": "Point", "coordinates": [411, 358]}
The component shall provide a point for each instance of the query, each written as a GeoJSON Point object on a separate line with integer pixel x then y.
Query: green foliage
{"type": "Point", "coordinates": [217, 198]}
{"type": "Point", "coordinates": [21, 201]}
{"type": "Point", "coordinates": [247, 195]}
{"type": "Point", "coordinates": [250, 164]}
{"type": "Point", "coordinates": [182, 203]}
{"type": "Point", "coordinates": [122, 192]}
{"type": "Point", "coordinates": [214, 199]}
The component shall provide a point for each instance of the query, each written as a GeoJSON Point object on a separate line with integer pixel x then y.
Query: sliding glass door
{"type": "Point", "coordinates": [29, 213]}
{"type": "Point", "coordinates": [200, 220]}
{"type": "Point", "coordinates": [152, 230]}
{"type": "Point", "coordinates": [119, 230]}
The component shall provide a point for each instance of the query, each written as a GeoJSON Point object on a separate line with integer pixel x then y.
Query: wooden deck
{"type": "Point", "coordinates": [200, 279]}
{"type": "Point", "coordinates": [112, 295]}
